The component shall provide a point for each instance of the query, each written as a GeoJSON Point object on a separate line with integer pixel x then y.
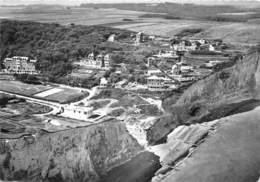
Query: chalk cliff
{"type": "Point", "coordinates": [79, 154]}
{"type": "Point", "coordinates": [221, 94]}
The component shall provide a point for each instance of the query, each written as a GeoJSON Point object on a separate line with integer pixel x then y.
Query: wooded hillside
{"type": "Point", "coordinates": [54, 46]}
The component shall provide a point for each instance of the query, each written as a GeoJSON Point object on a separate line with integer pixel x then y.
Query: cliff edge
{"type": "Point", "coordinates": [79, 154]}
{"type": "Point", "coordinates": [221, 94]}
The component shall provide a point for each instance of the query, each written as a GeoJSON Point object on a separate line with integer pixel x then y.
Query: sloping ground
{"type": "Point", "coordinates": [79, 154]}
{"type": "Point", "coordinates": [214, 97]}
{"type": "Point", "coordinates": [181, 143]}
{"type": "Point", "coordinates": [83, 16]}
{"type": "Point", "coordinates": [230, 155]}
{"type": "Point", "coordinates": [166, 27]}
{"type": "Point", "coordinates": [230, 32]}
{"type": "Point", "coordinates": [247, 33]}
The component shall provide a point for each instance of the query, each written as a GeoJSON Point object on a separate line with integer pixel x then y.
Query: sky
{"type": "Point", "coordinates": [77, 2]}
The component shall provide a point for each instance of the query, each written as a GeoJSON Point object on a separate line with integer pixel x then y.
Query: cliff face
{"type": "Point", "coordinates": [214, 97]}
{"type": "Point", "coordinates": [80, 154]}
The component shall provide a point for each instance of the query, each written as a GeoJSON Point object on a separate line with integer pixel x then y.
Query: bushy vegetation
{"type": "Point", "coordinates": [189, 32]}
{"type": "Point", "coordinates": [165, 16]}
{"type": "Point", "coordinates": [4, 98]}
{"type": "Point", "coordinates": [202, 52]}
{"type": "Point", "coordinates": [31, 79]}
{"type": "Point", "coordinates": [227, 18]}
{"type": "Point", "coordinates": [54, 46]}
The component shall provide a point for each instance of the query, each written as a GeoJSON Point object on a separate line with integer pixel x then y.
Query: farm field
{"type": "Point", "coordinates": [233, 32]}
{"type": "Point", "coordinates": [64, 16]}
{"type": "Point", "coordinates": [165, 27]}
{"type": "Point", "coordinates": [236, 33]}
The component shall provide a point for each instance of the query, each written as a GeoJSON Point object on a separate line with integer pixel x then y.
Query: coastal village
{"type": "Point", "coordinates": [139, 98]}
{"type": "Point", "coordinates": [174, 55]}
{"type": "Point", "coordinates": [170, 69]}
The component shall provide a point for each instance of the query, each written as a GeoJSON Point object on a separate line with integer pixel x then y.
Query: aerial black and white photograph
{"type": "Point", "coordinates": [129, 90]}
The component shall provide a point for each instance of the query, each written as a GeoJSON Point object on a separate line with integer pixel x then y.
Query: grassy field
{"type": "Point", "coordinates": [165, 27]}
{"type": "Point", "coordinates": [63, 96]}
{"type": "Point", "coordinates": [17, 87]}
{"type": "Point", "coordinates": [28, 108]}
{"type": "Point", "coordinates": [83, 16]}
{"type": "Point", "coordinates": [67, 95]}
{"type": "Point", "coordinates": [246, 33]}
{"type": "Point", "coordinates": [234, 32]}
{"type": "Point", "coordinates": [232, 154]}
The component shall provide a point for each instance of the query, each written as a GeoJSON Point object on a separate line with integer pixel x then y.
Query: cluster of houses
{"type": "Point", "coordinates": [170, 79]}
{"type": "Point", "coordinates": [158, 80]}
{"type": "Point", "coordinates": [179, 44]}
{"type": "Point", "coordinates": [99, 61]}
{"type": "Point", "coordinates": [196, 45]}
{"type": "Point", "coordinates": [181, 72]}
{"type": "Point", "coordinates": [20, 65]}
{"type": "Point", "coordinates": [160, 83]}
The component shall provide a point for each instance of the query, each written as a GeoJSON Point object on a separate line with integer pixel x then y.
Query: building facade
{"type": "Point", "coordinates": [139, 38]}
{"type": "Point", "coordinates": [77, 112]}
{"type": "Point", "coordinates": [155, 83]}
{"type": "Point", "coordinates": [98, 62]}
{"type": "Point", "coordinates": [20, 65]}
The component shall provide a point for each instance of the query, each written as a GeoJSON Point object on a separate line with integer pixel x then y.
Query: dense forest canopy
{"type": "Point", "coordinates": [54, 46]}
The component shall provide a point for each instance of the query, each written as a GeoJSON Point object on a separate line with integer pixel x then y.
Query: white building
{"type": "Point", "coordinates": [98, 62]}
{"type": "Point", "coordinates": [20, 65]}
{"type": "Point", "coordinates": [77, 112]}
{"type": "Point", "coordinates": [155, 83]}
{"type": "Point", "coordinates": [167, 54]}
{"type": "Point", "coordinates": [103, 83]}
{"type": "Point", "coordinates": [211, 64]}
{"type": "Point", "coordinates": [179, 46]}
{"type": "Point", "coordinates": [185, 68]}
{"type": "Point", "coordinates": [211, 48]}
{"type": "Point", "coordinates": [111, 38]}
{"type": "Point", "coordinates": [183, 78]}
{"type": "Point", "coordinates": [156, 72]}
{"type": "Point", "coordinates": [179, 72]}
{"type": "Point", "coordinates": [176, 70]}
{"type": "Point", "coordinates": [139, 38]}
{"type": "Point", "coordinates": [201, 41]}
{"type": "Point", "coordinates": [192, 47]}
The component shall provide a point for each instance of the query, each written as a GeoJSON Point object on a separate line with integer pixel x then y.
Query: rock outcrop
{"type": "Point", "coordinates": [79, 154]}
{"type": "Point", "coordinates": [216, 96]}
